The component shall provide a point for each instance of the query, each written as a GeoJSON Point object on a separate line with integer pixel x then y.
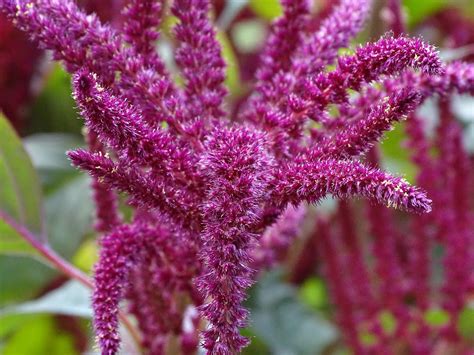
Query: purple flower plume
{"type": "Point", "coordinates": [284, 39]}
{"type": "Point", "coordinates": [236, 168]}
{"type": "Point", "coordinates": [120, 251]}
{"type": "Point", "coordinates": [320, 48]}
{"type": "Point", "coordinates": [312, 181]}
{"type": "Point", "coordinates": [144, 189]}
{"type": "Point", "coordinates": [200, 60]}
{"type": "Point", "coordinates": [141, 20]}
{"type": "Point", "coordinates": [388, 56]}
{"type": "Point", "coordinates": [213, 183]}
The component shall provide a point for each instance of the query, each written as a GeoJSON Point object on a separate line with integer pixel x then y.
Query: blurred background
{"type": "Point", "coordinates": [291, 313]}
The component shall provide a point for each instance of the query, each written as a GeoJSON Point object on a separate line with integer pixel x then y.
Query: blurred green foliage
{"type": "Point", "coordinates": [266, 9]}
{"type": "Point", "coordinates": [466, 323]}
{"type": "Point", "coordinates": [20, 192]}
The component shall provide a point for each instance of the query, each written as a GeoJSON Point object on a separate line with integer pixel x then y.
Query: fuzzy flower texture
{"type": "Point", "coordinates": [207, 186]}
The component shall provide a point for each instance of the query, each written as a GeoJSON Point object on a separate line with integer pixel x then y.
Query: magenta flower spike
{"type": "Point", "coordinates": [388, 56]}
{"type": "Point", "coordinates": [342, 25]}
{"type": "Point", "coordinates": [119, 251]}
{"type": "Point", "coordinates": [284, 39]}
{"type": "Point", "coordinates": [141, 20]}
{"type": "Point", "coordinates": [237, 168]}
{"type": "Point", "coordinates": [343, 179]}
{"type": "Point", "coordinates": [329, 246]}
{"type": "Point", "coordinates": [200, 60]}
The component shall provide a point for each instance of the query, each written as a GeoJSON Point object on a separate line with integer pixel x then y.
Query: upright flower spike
{"type": "Point", "coordinates": [119, 251]}
{"type": "Point", "coordinates": [158, 282]}
{"type": "Point", "coordinates": [328, 250]}
{"type": "Point", "coordinates": [422, 234]}
{"type": "Point", "coordinates": [321, 48]}
{"type": "Point", "coordinates": [270, 108]}
{"type": "Point", "coordinates": [456, 224]}
{"type": "Point", "coordinates": [199, 57]}
{"type": "Point", "coordinates": [141, 21]}
{"type": "Point", "coordinates": [361, 292]}
{"type": "Point", "coordinates": [392, 284]}
{"type": "Point", "coordinates": [395, 17]}
{"type": "Point", "coordinates": [236, 165]}
{"type": "Point", "coordinates": [147, 304]}
{"type": "Point", "coordinates": [274, 80]}
{"type": "Point", "coordinates": [284, 38]}
{"type": "Point", "coordinates": [126, 253]}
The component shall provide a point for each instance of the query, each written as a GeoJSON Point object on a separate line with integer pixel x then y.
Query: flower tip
{"type": "Point", "coordinates": [421, 205]}
{"type": "Point", "coordinates": [77, 157]}
{"type": "Point", "coordinates": [83, 81]}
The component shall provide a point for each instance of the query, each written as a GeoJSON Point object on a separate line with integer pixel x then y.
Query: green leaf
{"type": "Point", "coordinates": [48, 154]}
{"type": "Point", "coordinates": [267, 9]}
{"type": "Point", "coordinates": [71, 299]}
{"type": "Point", "coordinates": [48, 150]}
{"type": "Point", "coordinates": [313, 293]}
{"type": "Point", "coordinates": [283, 323]}
{"type": "Point", "coordinates": [20, 194]}
{"type": "Point", "coordinates": [53, 110]}
{"type": "Point", "coordinates": [256, 346]}
{"type": "Point", "coordinates": [69, 215]}
{"type": "Point", "coordinates": [367, 338]}
{"type": "Point", "coordinates": [86, 256]}
{"type": "Point", "coordinates": [40, 336]}
{"type": "Point", "coordinates": [418, 10]}
{"type": "Point", "coordinates": [69, 205]}
{"type": "Point", "coordinates": [437, 317]}
{"type": "Point", "coordinates": [12, 322]}
{"type": "Point", "coordinates": [388, 322]}
{"type": "Point", "coordinates": [395, 158]}
{"type": "Point", "coordinates": [232, 80]}
{"type": "Point", "coordinates": [248, 36]}
{"type": "Point", "coordinates": [22, 278]}
{"type": "Point", "coordinates": [466, 322]}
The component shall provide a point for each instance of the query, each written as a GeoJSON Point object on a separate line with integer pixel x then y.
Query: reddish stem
{"type": "Point", "coordinates": [65, 267]}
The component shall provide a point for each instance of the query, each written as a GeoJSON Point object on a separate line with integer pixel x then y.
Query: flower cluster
{"type": "Point", "coordinates": [22, 63]}
{"type": "Point", "coordinates": [383, 274]}
{"type": "Point", "coordinates": [211, 195]}
{"type": "Point", "coordinates": [387, 286]}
